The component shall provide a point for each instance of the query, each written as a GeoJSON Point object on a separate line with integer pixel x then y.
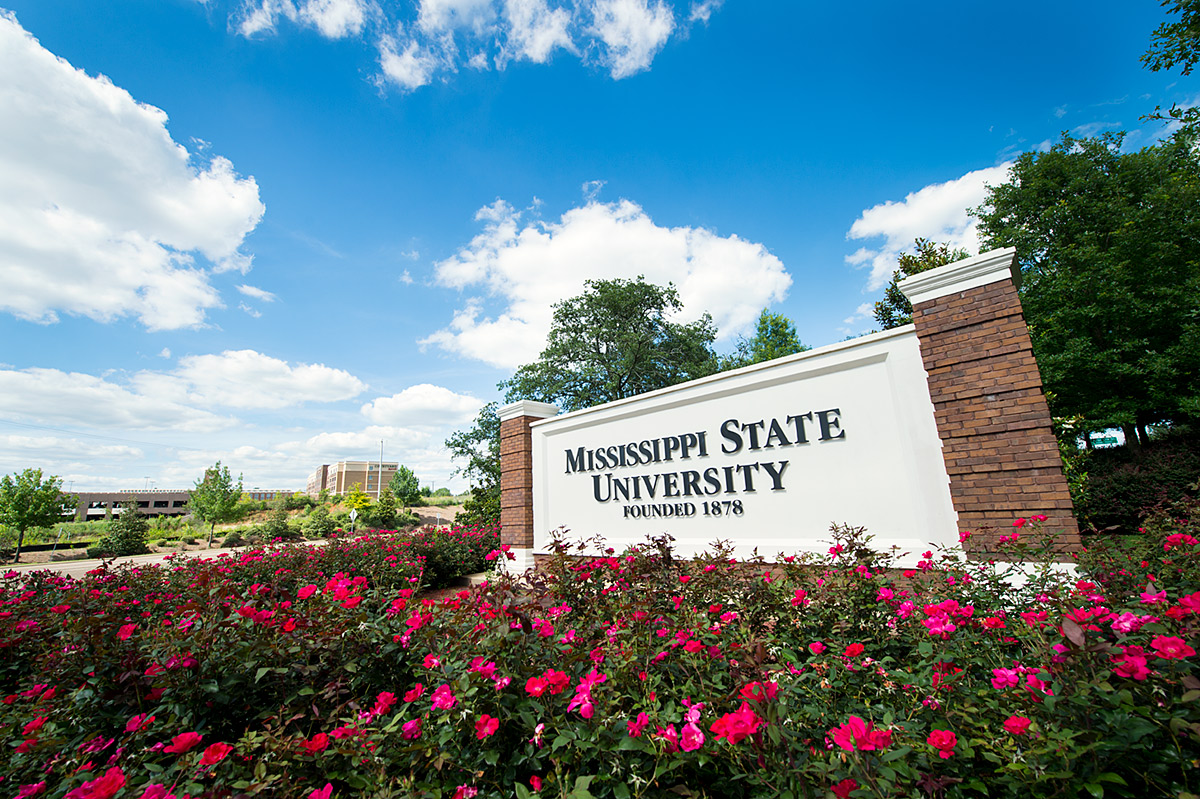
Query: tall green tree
{"type": "Point", "coordinates": [774, 337]}
{"type": "Point", "coordinates": [215, 497]}
{"type": "Point", "coordinates": [1109, 247]}
{"type": "Point", "coordinates": [478, 450]}
{"type": "Point", "coordinates": [1176, 43]}
{"type": "Point", "coordinates": [894, 310]}
{"type": "Point", "coordinates": [405, 486]}
{"type": "Point", "coordinates": [27, 500]}
{"type": "Point", "coordinates": [615, 340]}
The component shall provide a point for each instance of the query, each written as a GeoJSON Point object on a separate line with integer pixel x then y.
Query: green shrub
{"type": "Point", "coordinates": [319, 524]}
{"type": "Point", "coordinates": [233, 539]}
{"type": "Point", "coordinates": [1125, 483]}
{"type": "Point", "coordinates": [482, 508]}
{"type": "Point", "coordinates": [126, 535]}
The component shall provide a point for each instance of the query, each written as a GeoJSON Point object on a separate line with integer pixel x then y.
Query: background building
{"type": "Point", "coordinates": [94, 505]}
{"type": "Point", "coordinates": [339, 478]}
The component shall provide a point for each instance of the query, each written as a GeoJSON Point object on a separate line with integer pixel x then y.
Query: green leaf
{"type": "Point", "coordinates": [977, 785]}
{"type": "Point", "coordinates": [1109, 776]}
{"type": "Point", "coordinates": [306, 691]}
{"type": "Point", "coordinates": [258, 675]}
{"type": "Point", "coordinates": [1095, 789]}
{"type": "Point", "coordinates": [522, 791]}
{"type": "Point", "coordinates": [621, 791]}
{"type": "Point", "coordinates": [896, 754]}
{"type": "Point", "coordinates": [1191, 696]}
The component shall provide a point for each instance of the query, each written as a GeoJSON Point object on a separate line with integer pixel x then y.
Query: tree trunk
{"type": "Point", "coordinates": [1131, 439]}
{"type": "Point", "coordinates": [20, 541]}
{"type": "Point", "coordinates": [211, 530]}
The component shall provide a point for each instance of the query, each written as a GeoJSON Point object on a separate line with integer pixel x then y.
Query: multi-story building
{"type": "Point", "coordinates": [371, 476]}
{"type": "Point", "coordinates": [94, 505]}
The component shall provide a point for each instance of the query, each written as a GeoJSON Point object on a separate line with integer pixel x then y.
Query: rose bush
{"type": "Point", "coordinates": [627, 674]}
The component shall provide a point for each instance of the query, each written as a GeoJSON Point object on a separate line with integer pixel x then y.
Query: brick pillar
{"type": "Point", "coordinates": [516, 478]}
{"type": "Point", "coordinates": [997, 442]}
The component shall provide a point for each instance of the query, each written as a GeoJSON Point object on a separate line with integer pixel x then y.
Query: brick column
{"type": "Point", "coordinates": [516, 478]}
{"type": "Point", "coordinates": [997, 442]}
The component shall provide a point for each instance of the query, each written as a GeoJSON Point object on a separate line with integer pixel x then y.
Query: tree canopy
{"type": "Point", "coordinates": [774, 337]}
{"type": "Point", "coordinates": [615, 340]}
{"type": "Point", "coordinates": [1176, 43]}
{"type": "Point", "coordinates": [1109, 247]}
{"type": "Point", "coordinates": [214, 498]}
{"type": "Point", "coordinates": [405, 486]}
{"type": "Point", "coordinates": [894, 310]}
{"type": "Point", "coordinates": [27, 500]}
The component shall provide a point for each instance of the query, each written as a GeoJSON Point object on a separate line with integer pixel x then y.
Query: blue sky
{"type": "Point", "coordinates": [276, 232]}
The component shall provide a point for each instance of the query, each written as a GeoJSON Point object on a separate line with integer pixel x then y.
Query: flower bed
{"type": "Point", "coordinates": [632, 674]}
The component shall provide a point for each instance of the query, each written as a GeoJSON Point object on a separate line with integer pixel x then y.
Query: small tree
{"type": "Point", "coordinates": [383, 514]}
{"type": "Point", "coordinates": [894, 310]}
{"type": "Point", "coordinates": [215, 497]}
{"type": "Point", "coordinates": [774, 337]}
{"type": "Point", "coordinates": [126, 534]}
{"type": "Point", "coordinates": [358, 499]}
{"type": "Point", "coordinates": [26, 500]}
{"type": "Point", "coordinates": [319, 523]}
{"type": "Point", "coordinates": [405, 486]}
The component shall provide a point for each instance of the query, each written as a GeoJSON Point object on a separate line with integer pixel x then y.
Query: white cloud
{"type": "Point", "coordinates": [252, 312]}
{"type": "Point", "coordinates": [409, 69]}
{"type": "Point", "coordinates": [50, 395]}
{"type": "Point", "coordinates": [422, 406]}
{"type": "Point", "coordinates": [529, 268]}
{"type": "Point", "coordinates": [419, 40]}
{"type": "Point", "coordinates": [249, 379]}
{"type": "Point", "coordinates": [864, 311]}
{"type": "Point", "coordinates": [436, 16]}
{"type": "Point", "coordinates": [335, 19]}
{"type": "Point", "coordinates": [703, 11]}
{"type": "Point", "coordinates": [937, 211]}
{"type": "Point", "coordinates": [535, 30]}
{"type": "Point", "coordinates": [165, 353]}
{"type": "Point", "coordinates": [632, 32]}
{"type": "Point", "coordinates": [257, 293]}
{"type": "Point", "coordinates": [102, 214]}
{"type": "Point", "coordinates": [33, 449]}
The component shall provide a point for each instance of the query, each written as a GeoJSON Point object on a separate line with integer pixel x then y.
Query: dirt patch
{"type": "Point", "coordinates": [436, 514]}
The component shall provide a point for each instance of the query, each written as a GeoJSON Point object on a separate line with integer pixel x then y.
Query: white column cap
{"type": "Point", "coordinates": [538, 410]}
{"type": "Point", "coordinates": [989, 267]}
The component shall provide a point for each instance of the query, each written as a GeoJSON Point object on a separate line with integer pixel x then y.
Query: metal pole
{"type": "Point", "coordinates": [379, 487]}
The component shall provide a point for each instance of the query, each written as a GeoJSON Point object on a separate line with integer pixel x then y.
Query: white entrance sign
{"type": "Point", "coordinates": [766, 457]}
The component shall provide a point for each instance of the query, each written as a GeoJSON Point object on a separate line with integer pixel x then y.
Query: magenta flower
{"type": "Point", "coordinates": [104, 787]}
{"type": "Point", "coordinates": [215, 753]}
{"type": "Point", "coordinates": [1005, 678]}
{"type": "Point", "coordinates": [444, 698]}
{"type": "Point", "coordinates": [416, 693]}
{"type": "Point", "coordinates": [126, 631]}
{"type": "Point", "coordinates": [733, 727]}
{"type": "Point", "coordinates": [691, 737]}
{"type": "Point", "coordinates": [1017, 725]}
{"type": "Point", "coordinates": [322, 793]}
{"type": "Point", "coordinates": [411, 730]}
{"type": "Point", "coordinates": [486, 726]}
{"type": "Point", "coordinates": [307, 591]}
{"type": "Point", "coordinates": [944, 741]}
{"type": "Point", "coordinates": [1171, 647]}
{"type": "Point", "coordinates": [858, 733]}
{"type": "Point", "coordinates": [636, 727]}
{"type": "Point", "coordinates": [183, 742]}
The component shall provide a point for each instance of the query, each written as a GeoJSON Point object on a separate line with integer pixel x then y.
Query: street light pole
{"type": "Point", "coordinates": [379, 484]}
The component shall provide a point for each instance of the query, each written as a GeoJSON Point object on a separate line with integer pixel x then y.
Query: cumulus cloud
{"type": "Point", "coordinates": [937, 211]}
{"type": "Point", "coordinates": [33, 449]}
{"type": "Point", "coordinates": [418, 42]}
{"type": "Point", "coordinates": [409, 68]}
{"type": "Point", "coordinates": [54, 396]}
{"type": "Point", "coordinates": [102, 213]}
{"type": "Point", "coordinates": [333, 19]}
{"type": "Point", "coordinates": [632, 32]}
{"type": "Point", "coordinates": [249, 379]}
{"type": "Point", "coordinates": [529, 267]}
{"type": "Point", "coordinates": [422, 406]}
